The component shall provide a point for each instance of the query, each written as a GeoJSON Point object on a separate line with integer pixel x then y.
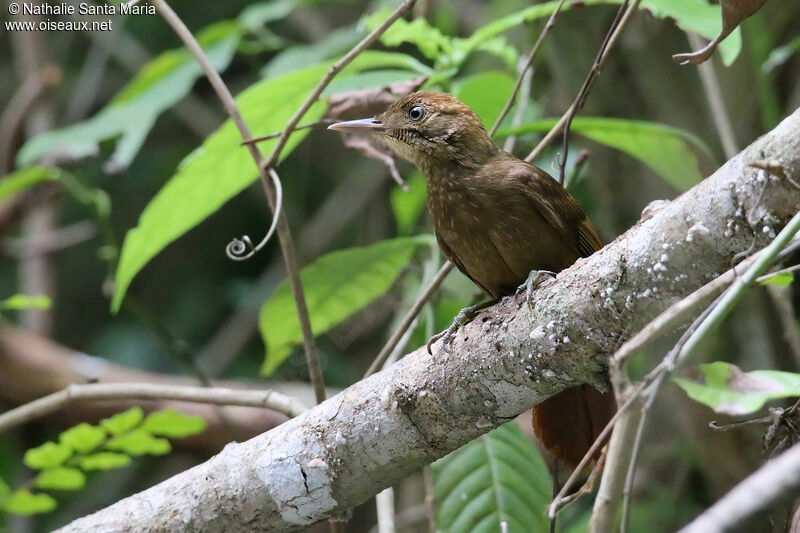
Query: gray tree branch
{"type": "Point", "coordinates": [381, 429]}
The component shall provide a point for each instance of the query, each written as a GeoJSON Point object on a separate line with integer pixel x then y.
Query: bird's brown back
{"type": "Point", "coordinates": [503, 220]}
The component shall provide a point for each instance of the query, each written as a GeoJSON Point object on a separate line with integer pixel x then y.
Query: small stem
{"type": "Point", "coordinates": [284, 234]}
{"type": "Point", "coordinates": [598, 66]}
{"type": "Point", "coordinates": [409, 318]}
{"type": "Point", "coordinates": [715, 101]}
{"type": "Point", "coordinates": [333, 71]}
{"type": "Point", "coordinates": [526, 65]}
{"type": "Point", "coordinates": [320, 122]}
{"type": "Point", "coordinates": [149, 391]}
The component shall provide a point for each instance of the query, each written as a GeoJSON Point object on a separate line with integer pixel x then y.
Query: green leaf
{"type": "Point", "coordinates": [429, 40]}
{"type": "Point", "coordinates": [22, 179]}
{"type": "Point", "coordinates": [132, 113]}
{"type": "Point", "coordinates": [485, 93]}
{"type": "Point", "coordinates": [336, 43]}
{"type": "Point", "coordinates": [139, 442]}
{"type": "Point", "coordinates": [172, 424]}
{"type": "Point", "coordinates": [23, 301]}
{"type": "Point", "coordinates": [124, 421]}
{"type": "Point", "coordinates": [5, 490]}
{"type": "Point", "coordinates": [666, 150]}
{"type": "Point", "coordinates": [48, 455]}
{"type": "Point", "coordinates": [103, 461]}
{"type": "Point", "coordinates": [256, 15]}
{"type": "Point", "coordinates": [82, 438]}
{"type": "Point", "coordinates": [25, 503]}
{"type": "Point", "coordinates": [60, 478]}
{"type": "Point", "coordinates": [221, 168]}
{"type": "Point", "coordinates": [408, 205]}
{"type": "Point", "coordinates": [497, 478]}
{"type": "Point", "coordinates": [336, 285]}
{"type": "Point", "coordinates": [781, 279]}
{"type": "Point", "coordinates": [730, 391]}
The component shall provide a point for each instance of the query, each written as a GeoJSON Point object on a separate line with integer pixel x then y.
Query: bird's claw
{"type": "Point", "coordinates": [535, 278]}
{"type": "Point", "coordinates": [463, 318]}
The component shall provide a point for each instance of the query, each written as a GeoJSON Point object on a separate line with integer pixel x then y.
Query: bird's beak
{"type": "Point", "coordinates": [363, 125]}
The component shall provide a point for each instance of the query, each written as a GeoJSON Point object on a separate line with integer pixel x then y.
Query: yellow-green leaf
{"type": "Point", "coordinates": [60, 478]}
{"type": "Point", "coordinates": [172, 424]}
{"type": "Point", "coordinates": [48, 455]}
{"type": "Point", "coordinates": [25, 503]}
{"type": "Point", "coordinates": [124, 421]}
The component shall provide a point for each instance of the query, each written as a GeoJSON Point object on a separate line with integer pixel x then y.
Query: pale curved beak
{"type": "Point", "coordinates": [363, 125]}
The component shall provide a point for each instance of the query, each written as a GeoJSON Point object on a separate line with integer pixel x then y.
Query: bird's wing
{"type": "Point", "coordinates": [558, 208]}
{"type": "Point", "coordinates": [448, 252]}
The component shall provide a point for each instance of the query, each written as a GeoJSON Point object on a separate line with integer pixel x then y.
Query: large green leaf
{"type": "Point", "coordinates": [730, 391]}
{"type": "Point", "coordinates": [221, 168]}
{"type": "Point", "coordinates": [499, 478]}
{"type": "Point", "coordinates": [159, 85]}
{"type": "Point", "coordinates": [666, 150]}
{"type": "Point", "coordinates": [336, 285]}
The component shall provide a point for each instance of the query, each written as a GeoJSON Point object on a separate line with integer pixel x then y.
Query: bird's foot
{"type": "Point", "coordinates": [463, 318]}
{"type": "Point", "coordinates": [535, 278]}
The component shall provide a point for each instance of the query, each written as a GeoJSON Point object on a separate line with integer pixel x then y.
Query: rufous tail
{"type": "Point", "coordinates": [568, 423]}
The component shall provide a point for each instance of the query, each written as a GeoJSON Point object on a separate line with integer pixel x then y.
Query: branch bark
{"type": "Point", "coordinates": [384, 428]}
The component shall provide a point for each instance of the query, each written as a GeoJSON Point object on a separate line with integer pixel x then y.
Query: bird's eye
{"type": "Point", "coordinates": [416, 113]}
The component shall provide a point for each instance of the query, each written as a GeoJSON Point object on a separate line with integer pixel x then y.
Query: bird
{"type": "Point", "coordinates": [502, 222]}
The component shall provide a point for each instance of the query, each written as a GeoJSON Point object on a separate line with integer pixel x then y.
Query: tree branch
{"type": "Point", "coordinates": [778, 478]}
{"type": "Point", "coordinates": [51, 403]}
{"type": "Point", "coordinates": [382, 429]}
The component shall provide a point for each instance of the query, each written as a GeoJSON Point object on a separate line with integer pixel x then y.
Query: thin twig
{"type": "Point", "coordinates": [60, 239]}
{"type": "Point", "coordinates": [587, 84]}
{"type": "Point", "coordinates": [333, 71]}
{"type": "Point", "coordinates": [320, 122]}
{"type": "Point", "coordinates": [409, 318]}
{"type": "Point", "coordinates": [668, 320]}
{"type": "Point", "coordinates": [284, 234]}
{"type": "Point", "coordinates": [598, 66]}
{"type": "Point", "coordinates": [384, 502]}
{"type": "Point", "coordinates": [707, 322]}
{"type": "Point", "coordinates": [526, 65]}
{"type": "Point", "coordinates": [619, 450]}
{"type": "Point", "coordinates": [519, 112]}
{"type": "Point", "coordinates": [29, 91]}
{"type": "Point", "coordinates": [778, 478]}
{"type": "Point", "coordinates": [715, 101]}
{"type": "Point", "coordinates": [149, 391]}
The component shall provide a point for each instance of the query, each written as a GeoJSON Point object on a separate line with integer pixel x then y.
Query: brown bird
{"type": "Point", "coordinates": [501, 221]}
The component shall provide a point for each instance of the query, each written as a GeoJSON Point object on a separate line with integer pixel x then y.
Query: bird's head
{"type": "Point", "coordinates": [429, 129]}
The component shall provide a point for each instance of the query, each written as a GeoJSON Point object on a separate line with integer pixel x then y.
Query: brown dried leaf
{"type": "Point", "coordinates": [734, 12]}
{"type": "Point", "coordinates": [365, 103]}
